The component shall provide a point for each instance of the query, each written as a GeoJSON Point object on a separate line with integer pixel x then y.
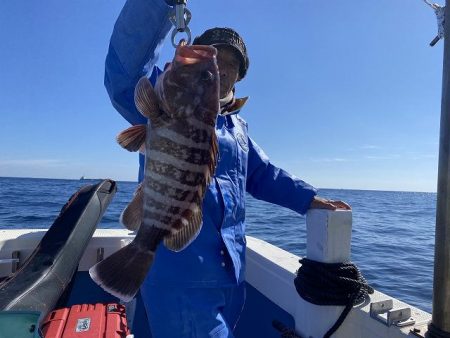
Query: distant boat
{"type": "Point", "coordinates": [82, 178]}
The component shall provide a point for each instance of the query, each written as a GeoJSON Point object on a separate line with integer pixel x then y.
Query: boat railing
{"type": "Point", "coordinates": [272, 271]}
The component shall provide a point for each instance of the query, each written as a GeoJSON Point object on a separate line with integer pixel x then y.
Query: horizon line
{"type": "Point", "coordinates": [129, 181]}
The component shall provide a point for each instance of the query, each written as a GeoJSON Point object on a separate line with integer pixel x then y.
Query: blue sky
{"type": "Point", "coordinates": [344, 94]}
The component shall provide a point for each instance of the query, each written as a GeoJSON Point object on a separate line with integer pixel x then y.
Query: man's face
{"type": "Point", "coordinates": [228, 64]}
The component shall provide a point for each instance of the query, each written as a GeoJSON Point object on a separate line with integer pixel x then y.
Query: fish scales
{"type": "Point", "coordinates": [170, 181]}
{"type": "Point", "coordinates": [172, 192]}
{"type": "Point", "coordinates": [175, 134]}
{"type": "Point", "coordinates": [194, 161]}
{"type": "Point", "coordinates": [168, 160]}
{"type": "Point", "coordinates": [162, 198]}
{"type": "Point", "coordinates": [180, 157]}
{"type": "Point", "coordinates": [162, 206]}
{"type": "Point", "coordinates": [160, 215]}
{"type": "Point", "coordinates": [193, 132]}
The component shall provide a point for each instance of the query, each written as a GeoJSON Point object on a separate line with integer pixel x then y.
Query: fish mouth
{"type": "Point", "coordinates": [188, 55]}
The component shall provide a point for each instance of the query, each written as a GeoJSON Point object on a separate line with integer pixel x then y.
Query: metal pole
{"type": "Point", "coordinates": [440, 324]}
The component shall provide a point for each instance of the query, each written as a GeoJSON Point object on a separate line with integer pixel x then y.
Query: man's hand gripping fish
{"type": "Point", "coordinates": [180, 154]}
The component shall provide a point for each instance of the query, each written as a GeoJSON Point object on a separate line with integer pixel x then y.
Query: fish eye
{"type": "Point", "coordinates": [207, 75]}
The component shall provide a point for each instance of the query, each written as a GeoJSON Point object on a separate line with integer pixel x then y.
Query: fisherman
{"type": "Point", "coordinates": [200, 291]}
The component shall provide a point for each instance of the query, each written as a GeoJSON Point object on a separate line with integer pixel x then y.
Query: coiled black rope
{"type": "Point", "coordinates": [331, 284]}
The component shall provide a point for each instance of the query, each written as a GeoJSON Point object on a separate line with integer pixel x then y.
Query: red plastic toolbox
{"type": "Point", "coordinates": [87, 321]}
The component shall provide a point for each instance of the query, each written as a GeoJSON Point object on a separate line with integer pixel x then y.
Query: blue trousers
{"type": "Point", "coordinates": [193, 312]}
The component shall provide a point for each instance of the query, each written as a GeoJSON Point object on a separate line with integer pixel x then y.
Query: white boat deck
{"type": "Point", "coordinates": [270, 270]}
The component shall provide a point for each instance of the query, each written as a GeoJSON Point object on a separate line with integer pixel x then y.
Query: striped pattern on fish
{"type": "Point", "coordinates": [173, 157]}
{"type": "Point", "coordinates": [181, 151]}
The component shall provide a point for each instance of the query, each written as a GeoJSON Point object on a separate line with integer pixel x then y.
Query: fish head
{"type": "Point", "coordinates": [189, 81]}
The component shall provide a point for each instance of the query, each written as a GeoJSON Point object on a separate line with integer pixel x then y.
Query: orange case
{"type": "Point", "coordinates": [87, 321]}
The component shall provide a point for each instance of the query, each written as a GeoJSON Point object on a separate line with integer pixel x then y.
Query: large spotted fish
{"type": "Point", "coordinates": [180, 158]}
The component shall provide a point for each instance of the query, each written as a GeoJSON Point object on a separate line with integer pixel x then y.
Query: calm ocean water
{"type": "Point", "coordinates": [392, 241]}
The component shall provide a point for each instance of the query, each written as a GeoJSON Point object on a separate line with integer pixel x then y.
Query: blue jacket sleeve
{"type": "Point", "coordinates": [135, 43]}
{"type": "Point", "coordinates": [271, 184]}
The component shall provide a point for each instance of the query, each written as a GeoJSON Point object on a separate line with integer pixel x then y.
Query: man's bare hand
{"type": "Point", "coordinates": [322, 203]}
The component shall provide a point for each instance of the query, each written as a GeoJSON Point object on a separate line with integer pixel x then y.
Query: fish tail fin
{"type": "Point", "coordinates": [122, 273]}
{"type": "Point", "coordinates": [132, 216]}
{"type": "Point", "coordinates": [133, 138]}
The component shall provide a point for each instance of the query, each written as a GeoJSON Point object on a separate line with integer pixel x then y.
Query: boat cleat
{"type": "Point", "coordinates": [14, 261]}
{"type": "Point", "coordinates": [384, 312]}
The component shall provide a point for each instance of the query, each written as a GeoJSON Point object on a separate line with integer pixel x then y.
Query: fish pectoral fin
{"type": "Point", "coordinates": [133, 138]}
{"type": "Point", "coordinates": [188, 232]}
{"type": "Point", "coordinates": [132, 215]}
{"type": "Point", "coordinates": [146, 100]}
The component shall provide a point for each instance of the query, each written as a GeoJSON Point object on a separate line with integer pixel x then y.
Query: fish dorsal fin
{"type": "Point", "coordinates": [133, 138]}
{"type": "Point", "coordinates": [189, 226]}
{"type": "Point", "coordinates": [190, 223]}
{"type": "Point", "coordinates": [132, 215]}
{"type": "Point", "coordinates": [146, 100]}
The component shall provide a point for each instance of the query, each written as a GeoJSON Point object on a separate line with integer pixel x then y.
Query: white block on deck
{"type": "Point", "coordinates": [329, 235]}
{"type": "Point", "coordinates": [328, 241]}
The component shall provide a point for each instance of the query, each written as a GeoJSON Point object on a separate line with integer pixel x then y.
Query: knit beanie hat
{"type": "Point", "coordinates": [229, 37]}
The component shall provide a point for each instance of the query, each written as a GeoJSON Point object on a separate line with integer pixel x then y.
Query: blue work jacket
{"type": "Point", "coordinates": [217, 256]}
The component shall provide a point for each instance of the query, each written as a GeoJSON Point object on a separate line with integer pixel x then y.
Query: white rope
{"type": "Point", "coordinates": [440, 16]}
{"type": "Point", "coordinates": [440, 11]}
{"type": "Point", "coordinates": [434, 6]}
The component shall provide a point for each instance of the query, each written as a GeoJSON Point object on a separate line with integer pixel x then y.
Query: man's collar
{"type": "Point", "coordinates": [227, 100]}
{"type": "Point", "coordinates": [234, 107]}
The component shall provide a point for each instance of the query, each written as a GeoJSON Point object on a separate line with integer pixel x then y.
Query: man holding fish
{"type": "Point", "coordinates": [197, 165]}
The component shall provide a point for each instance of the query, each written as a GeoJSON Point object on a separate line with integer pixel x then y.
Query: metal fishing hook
{"type": "Point", "coordinates": [180, 17]}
